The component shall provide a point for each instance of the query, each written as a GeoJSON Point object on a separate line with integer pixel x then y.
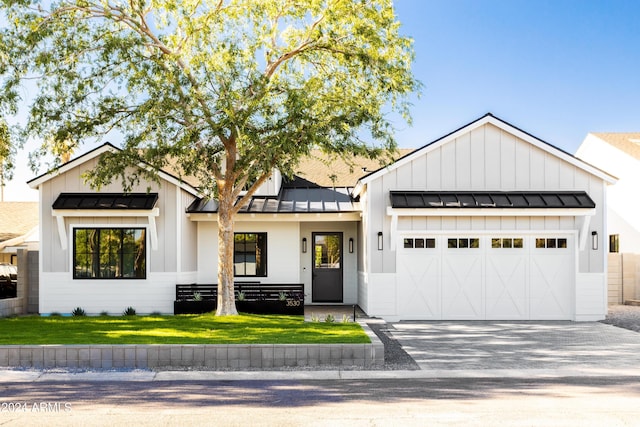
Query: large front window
{"type": "Point", "coordinates": [250, 254]}
{"type": "Point", "coordinates": [109, 253]}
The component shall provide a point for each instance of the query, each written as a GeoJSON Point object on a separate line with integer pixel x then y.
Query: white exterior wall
{"type": "Point", "coordinates": [172, 262]}
{"type": "Point", "coordinates": [487, 158]}
{"type": "Point", "coordinates": [623, 204]}
{"type": "Point", "coordinates": [285, 261]}
{"type": "Point", "coordinates": [283, 247]}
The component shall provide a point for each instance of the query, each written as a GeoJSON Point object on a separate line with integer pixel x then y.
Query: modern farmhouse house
{"type": "Point", "coordinates": [487, 222]}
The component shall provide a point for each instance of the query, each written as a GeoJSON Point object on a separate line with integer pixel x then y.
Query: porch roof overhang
{"type": "Point", "coordinates": [492, 204]}
{"type": "Point", "coordinates": [134, 205]}
{"type": "Point", "coordinates": [294, 204]}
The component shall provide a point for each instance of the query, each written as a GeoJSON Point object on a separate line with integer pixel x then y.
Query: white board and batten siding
{"type": "Point", "coordinates": [490, 156]}
{"type": "Point", "coordinates": [173, 261]}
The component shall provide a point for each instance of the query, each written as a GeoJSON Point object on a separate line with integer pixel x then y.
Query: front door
{"type": "Point", "coordinates": [327, 267]}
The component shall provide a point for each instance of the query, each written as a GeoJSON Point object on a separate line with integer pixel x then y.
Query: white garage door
{"type": "Point", "coordinates": [454, 277]}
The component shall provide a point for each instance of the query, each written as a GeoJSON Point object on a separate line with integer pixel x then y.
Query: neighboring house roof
{"type": "Point", "coordinates": [17, 219]}
{"type": "Point", "coordinates": [491, 199]}
{"type": "Point", "coordinates": [626, 142]}
{"type": "Point", "coordinates": [499, 123]}
{"type": "Point", "coordinates": [325, 170]}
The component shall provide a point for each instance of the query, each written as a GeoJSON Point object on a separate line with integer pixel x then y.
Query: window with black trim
{"type": "Point", "coordinates": [551, 243]}
{"type": "Point", "coordinates": [419, 243]}
{"type": "Point", "coordinates": [507, 243]}
{"type": "Point", "coordinates": [463, 243]}
{"type": "Point", "coordinates": [109, 253]}
{"type": "Point", "coordinates": [250, 255]}
{"type": "Point", "coordinates": [614, 243]}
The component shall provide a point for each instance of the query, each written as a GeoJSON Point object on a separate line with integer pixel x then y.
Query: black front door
{"type": "Point", "coordinates": [327, 267]}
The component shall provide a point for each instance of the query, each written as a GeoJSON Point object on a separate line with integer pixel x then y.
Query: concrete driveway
{"type": "Point", "coordinates": [509, 345]}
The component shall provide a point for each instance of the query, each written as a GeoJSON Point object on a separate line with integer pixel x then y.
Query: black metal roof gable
{"type": "Point", "coordinates": [491, 199]}
{"type": "Point", "coordinates": [114, 201]}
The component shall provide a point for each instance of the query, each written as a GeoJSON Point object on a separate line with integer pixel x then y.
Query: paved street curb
{"type": "Point", "coordinates": [210, 356]}
{"type": "Point", "coordinates": [31, 376]}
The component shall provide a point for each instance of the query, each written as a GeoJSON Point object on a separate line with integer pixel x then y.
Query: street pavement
{"type": "Point", "coordinates": [497, 349]}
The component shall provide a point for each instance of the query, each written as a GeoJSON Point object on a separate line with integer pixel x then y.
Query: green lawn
{"type": "Point", "coordinates": [181, 329]}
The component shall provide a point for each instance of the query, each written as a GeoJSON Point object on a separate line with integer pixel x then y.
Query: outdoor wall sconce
{"type": "Point", "coordinates": [350, 245]}
{"type": "Point", "coordinates": [594, 240]}
{"type": "Point", "coordinates": [304, 245]}
{"type": "Point", "coordinates": [380, 243]}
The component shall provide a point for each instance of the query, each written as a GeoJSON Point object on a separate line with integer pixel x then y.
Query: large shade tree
{"type": "Point", "coordinates": [226, 89]}
{"type": "Point", "coordinates": [7, 152]}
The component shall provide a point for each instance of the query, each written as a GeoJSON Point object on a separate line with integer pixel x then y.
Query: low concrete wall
{"type": "Point", "coordinates": [218, 356]}
{"type": "Point", "coordinates": [11, 307]}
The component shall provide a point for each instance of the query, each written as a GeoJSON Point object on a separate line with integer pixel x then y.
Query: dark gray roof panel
{"type": "Point", "coordinates": [106, 201]}
{"type": "Point", "coordinates": [290, 200]}
{"type": "Point", "coordinates": [491, 199]}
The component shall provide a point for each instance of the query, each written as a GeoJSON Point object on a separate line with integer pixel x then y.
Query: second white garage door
{"type": "Point", "coordinates": [489, 277]}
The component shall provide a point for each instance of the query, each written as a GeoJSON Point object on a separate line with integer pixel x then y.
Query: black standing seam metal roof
{"type": "Point", "coordinates": [290, 200]}
{"type": "Point", "coordinates": [491, 199]}
{"type": "Point", "coordinates": [111, 201]}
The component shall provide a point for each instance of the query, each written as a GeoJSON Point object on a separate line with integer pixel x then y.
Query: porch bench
{"type": "Point", "coordinates": [260, 298]}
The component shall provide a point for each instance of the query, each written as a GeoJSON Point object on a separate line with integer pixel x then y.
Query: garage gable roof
{"type": "Point", "coordinates": [491, 199]}
{"type": "Point", "coordinates": [501, 124]}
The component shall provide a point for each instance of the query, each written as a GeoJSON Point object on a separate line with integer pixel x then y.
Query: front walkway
{"type": "Point", "coordinates": [509, 345]}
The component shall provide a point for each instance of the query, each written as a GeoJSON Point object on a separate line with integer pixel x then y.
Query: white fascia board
{"type": "Point", "coordinates": [610, 179]}
{"type": "Point", "coordinates": [449, 212]}
{"type": "Point", "coordinates": [282, 217]}
{"type": "Point", "coordinates": [150, 214]}
{"type": "Point", "coordinates": [37, 182]}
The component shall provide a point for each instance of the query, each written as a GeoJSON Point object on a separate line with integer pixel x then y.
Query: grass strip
{"type": "Point", "coordinates": [179, 329]}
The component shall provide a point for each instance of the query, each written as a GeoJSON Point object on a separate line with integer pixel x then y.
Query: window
{"type": "Point", "coordinates": [109, 253]}
{"type": "Point", "coordinates": [419, 243]}
{"type": "Point", "coordinates": [614, 243]}
{"type": "Point", "coordinates": [551, 243]}
{"type": "Point", "coordinates": [250, 255]}
{"type": "Point", "coordinates": [472, 243]}
{"type": "Point", "coordinates": [507, 243]}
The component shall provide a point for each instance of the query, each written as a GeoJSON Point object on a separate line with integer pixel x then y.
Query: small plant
{"type": "Point", "coordinates": [197, 296]}
{"type": "Point", "coordinates": [346, 318]}
{"type": "Point", "coordinates": [241, 296]}
{"type": "Point", "coordinates": [55, 314]}
{"type": "Point", "coordinates": [78, 312]}
{"type": "Point", "coordinates": [130, 311]}
{"type": "Point", "coordinates": [282, 296]}
{"type": "Point", "coordinates": [155, 314]}
{"type": "Point", "coordinates": [329, 318]}
{"type": "Point", "coordinates": [315, 318]}
{"type": "Point", "coordinates": [104, 313]}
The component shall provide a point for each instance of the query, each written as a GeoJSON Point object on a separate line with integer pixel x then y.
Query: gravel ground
{"type": "Point", "coordinates": [395, 357]}
{"type": "Point", "coordinates": [624, 316]}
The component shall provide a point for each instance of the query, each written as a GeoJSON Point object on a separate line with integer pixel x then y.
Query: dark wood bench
{"type": "Point", "coordinates": [252, 291]}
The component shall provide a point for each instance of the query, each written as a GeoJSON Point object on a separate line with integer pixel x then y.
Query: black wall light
{"type": "Point", "coordinates": [304, 245]}
{"type": "Point", "coordinates": [594, 240]}
{"type": "Point", "coordinates": [380, 242]}
{"type": "Point", "coordinates": [350, 245]}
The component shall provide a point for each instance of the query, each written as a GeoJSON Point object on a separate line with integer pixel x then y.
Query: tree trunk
{"type": "Point", "coordinates": [226, 293]}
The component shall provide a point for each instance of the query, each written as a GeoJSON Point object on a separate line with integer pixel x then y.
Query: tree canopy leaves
{"type": "Point", "coordinates": [190, 79]}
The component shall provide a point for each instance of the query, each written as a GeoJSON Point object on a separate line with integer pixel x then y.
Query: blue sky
{"type": "Point", "coordinates": [556, 69]}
